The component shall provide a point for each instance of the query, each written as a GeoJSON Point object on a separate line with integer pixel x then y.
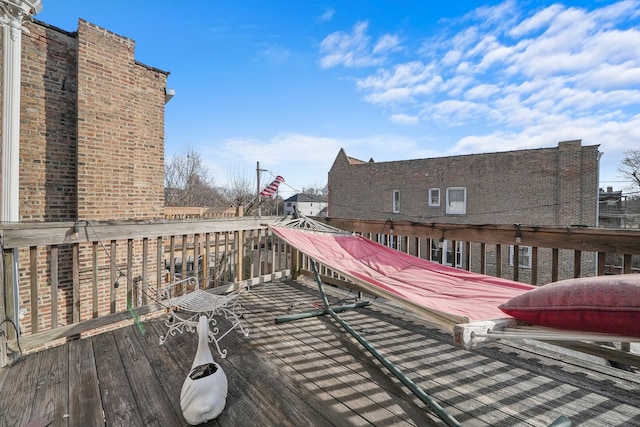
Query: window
{"type": "Point", "coordinates": [446, 246]}
{"type": "Point", "coordinates": [524, 256]}
{"type": "Point", "coordinates": [396, 201]}
{"type": "Point", "coordinates": [456, 200]}
{"type": "Point", "coordinates": [288, 204]}
{"type": "Point", "coordinates": [434, 197]}
{"type": "Point", "coordinates": [435, 250]}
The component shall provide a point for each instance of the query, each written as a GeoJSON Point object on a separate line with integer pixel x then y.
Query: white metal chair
{"type": "Point", "coordinates": [185, 302]}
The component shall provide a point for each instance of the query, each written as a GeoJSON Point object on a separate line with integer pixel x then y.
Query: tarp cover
{"type": "Point", "coordinates": [459, 295]}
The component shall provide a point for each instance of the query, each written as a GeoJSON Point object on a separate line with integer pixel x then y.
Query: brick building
{"type": "Point", "coordinates": [91, 148]}
{"type": "Point", "coordinates": [548, 186]}
{"type": "Point", "coordinates": [92, 127]}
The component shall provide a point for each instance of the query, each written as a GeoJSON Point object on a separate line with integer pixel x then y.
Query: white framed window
{"type": "Point", "coordinates": [434, 197]}
{"type": "Point", "coordinates": [446, 246]}
{"type": "Point", "coordinates": [435, 250]}
{"type": "Point", "coordinates": [396, 201]}
{"type": "Point", "coordinates": [524, 256]}
{"type": "Point", "coordinates": [456, 200]}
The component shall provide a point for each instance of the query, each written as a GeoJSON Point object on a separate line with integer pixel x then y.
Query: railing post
{"type": "Point", "coordinates": [33, 272]}
{"type": "Point", "coordinates": [516, 263]}
{"type": "Point", "coordinates": [534, 266]}
{"type": "Point", "coordinates": [295, 263]}
{"type": "Point", "coordinates": [7, 305]}
{"type": "Point", "coordinates": [555, 253]}
{"type": "Point", "coordinates": [239, 242]}
{"type": "Point", "coordinates": [626, 264]}
{"type": "Point", "coordinates": [75, 274]}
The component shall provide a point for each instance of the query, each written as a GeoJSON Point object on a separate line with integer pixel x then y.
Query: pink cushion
{"type": "Point", "coordinates": [609, 304]}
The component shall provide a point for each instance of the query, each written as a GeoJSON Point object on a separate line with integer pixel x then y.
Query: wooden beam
{"type": "Point", "coordinates": [576, 238]}
{"type": "Point", "coordinates": [51, 233]}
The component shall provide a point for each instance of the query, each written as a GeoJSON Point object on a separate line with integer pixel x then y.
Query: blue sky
{"type": "Point", "coordinates": [289, 83]}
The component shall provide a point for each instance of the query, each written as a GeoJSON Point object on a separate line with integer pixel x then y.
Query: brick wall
{"type": "Point", "coordinates": [91, 148]}
{"type": "Point", "coordinates": [120, 129]}
{"type": "Point", "coordinates": [92, 127]}
{"type": "Point", "coordinates": [549, 186]}
{"type": "Point", "coordinates": [48, 125]}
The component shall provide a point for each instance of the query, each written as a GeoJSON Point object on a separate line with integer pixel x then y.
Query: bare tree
{"type": "Point", "coordinates": [188, 182]}
{"type": "Point", "coordinates": [241, 188]}
{"type": "Point", "coordinates": [312, 189]}
{"type": "Point", "coordinates": [631, 167]}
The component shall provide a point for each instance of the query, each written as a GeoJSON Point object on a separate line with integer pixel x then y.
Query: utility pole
{"type": "Point", "coordinates": [258, 196]}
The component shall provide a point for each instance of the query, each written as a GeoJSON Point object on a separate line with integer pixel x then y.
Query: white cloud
{"type": "Point", "coordinates": [401, 84]}
{"type": "Point", "coordinates": [481, 92]}
{"type": "Point", "coordinates": [327, 15]}
{"type": "Point", "coordinates": [511, 78]}
{"type": "Point", "coordinates": [355, 49]}
{"type": "Point", "coordinates": [386, 43]}
{"type": "Point", "coordinates": [404, 119]}
{"type": "Point", "coordinates": [536, 22]}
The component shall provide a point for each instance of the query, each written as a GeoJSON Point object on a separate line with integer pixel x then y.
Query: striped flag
{"type": "Point", "coordinates": [272, 188]}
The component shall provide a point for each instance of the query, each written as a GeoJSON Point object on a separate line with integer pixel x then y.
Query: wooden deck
{"type": "Point", "coordinates": [311, 372]}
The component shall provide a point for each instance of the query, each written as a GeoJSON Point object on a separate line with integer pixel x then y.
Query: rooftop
{"type": "Point", "coordinates": [301, 197]}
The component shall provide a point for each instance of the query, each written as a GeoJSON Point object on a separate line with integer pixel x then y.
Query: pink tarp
{"type": "Point", "coordinates": [462, 295]}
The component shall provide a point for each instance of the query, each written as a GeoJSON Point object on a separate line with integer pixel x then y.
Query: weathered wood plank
{"type": "Point", "coordinates": [244, 401]}
{"type": "Point", "coordinates": [168, 369]}
{"type": "Point", "coordinates": [113, 278]}
{"type": "Point", "coordinates": [76, 282]}
{"type": "Point", "coordinates": [55, 282]}
{"type": "Point", "coordinates": [85, 406]}
{"type": "Point", "coordinates": [324, 359]}
{"type": "Point", "coordinates": [51, 400]}
{"type": "Point", "coordinates": [120, 406]}
{"type": "Point", "coordinates": [30, 342]}
{"type": "Point", "coordinates": [149, 397]}
{"type": "Point", "coordinates": [94, 280]}
{"type": "Point", "coordinates": [33, 267]}
{"type": "Point", "coordinates": [18, 391]}
{"type": "Point", "coordinates": [254, 369]}
{"type": "Point", "coordinates": [132, 300]}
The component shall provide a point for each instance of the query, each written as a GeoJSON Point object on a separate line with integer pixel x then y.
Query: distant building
{"type": "Point", "coordinates": [307, 204]}
{"type": "Point", "coordinates": [547, 186]}
{"type": "Point", "coordinates": [611, 208]}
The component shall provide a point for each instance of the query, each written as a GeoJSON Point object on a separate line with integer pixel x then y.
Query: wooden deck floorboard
{"type": "Point", "coordinates": [311, 373]}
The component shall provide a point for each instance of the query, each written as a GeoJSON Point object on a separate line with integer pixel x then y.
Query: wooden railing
{"type": "Point", "coordinates": [553, 253]}
{"type": "Point", "coordinates": [179, 212]}
{"type": "Point", "coordinates": [75, 277]}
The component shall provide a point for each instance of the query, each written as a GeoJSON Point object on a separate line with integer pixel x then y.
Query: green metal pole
{"type": "Point", "coordinates": [428, 400]}
{"type": "Point", "coordinates": [320, 312]}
